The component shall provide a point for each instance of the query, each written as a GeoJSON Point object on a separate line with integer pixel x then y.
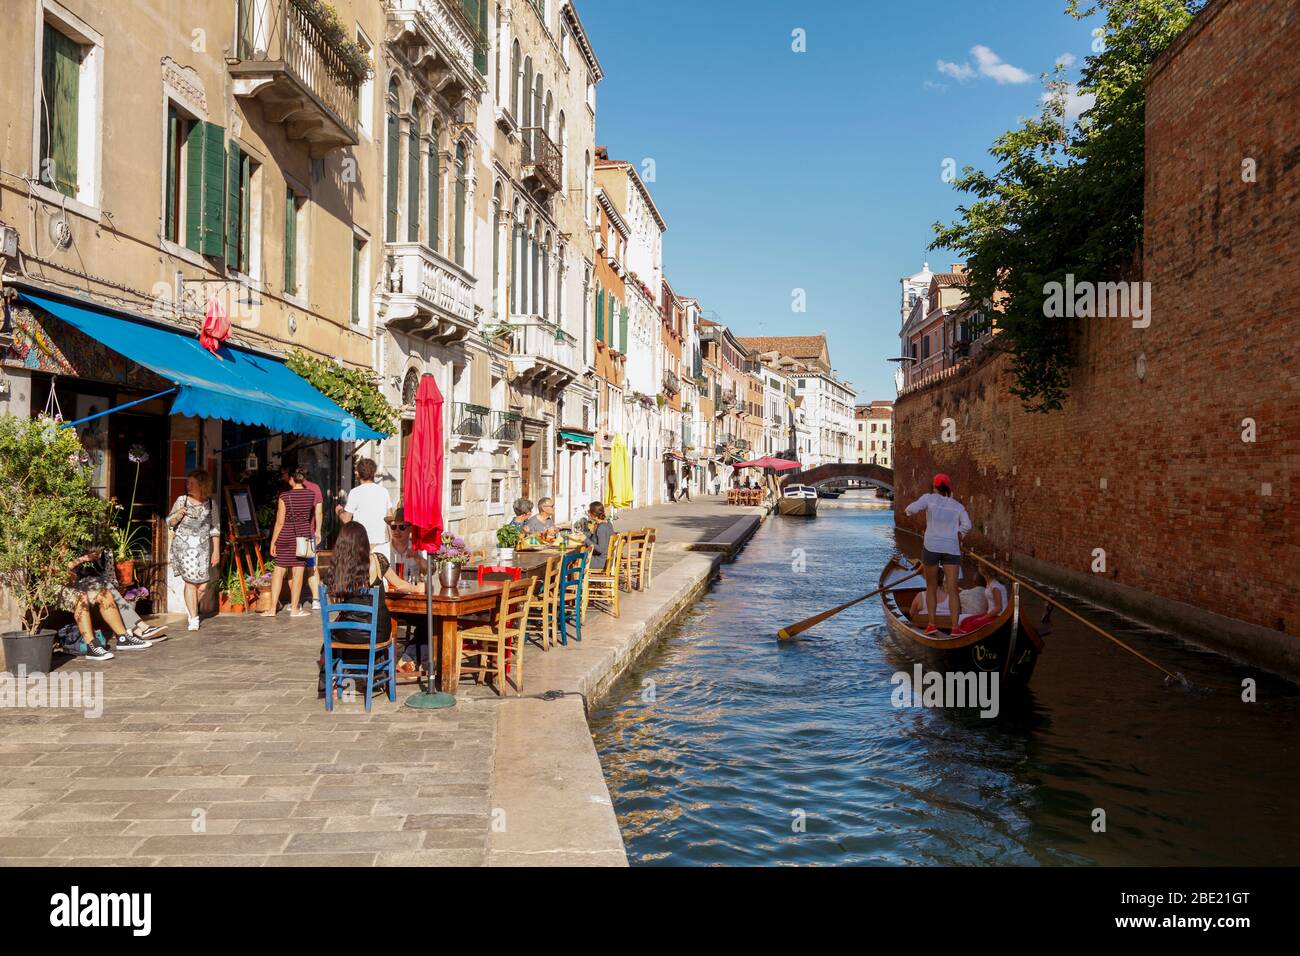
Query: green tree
{"type": "Point", "coordinates": [1067, 197]}
{"type": "Point", "coordinates": [49, 513]}
{"type": "Point", "coordinates": [355, 390]}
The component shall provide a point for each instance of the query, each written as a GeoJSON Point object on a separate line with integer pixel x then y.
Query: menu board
{"type": "Point", "coordinates": [243, 514]}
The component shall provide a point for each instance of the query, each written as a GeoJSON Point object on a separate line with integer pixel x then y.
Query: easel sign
{"type": "Point", "coordinates": [244, 533]}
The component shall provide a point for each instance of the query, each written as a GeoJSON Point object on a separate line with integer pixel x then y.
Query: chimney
{"type": "Point", "coordinates": [959, 267]}
{"type": "Point", "coordinates": [602, 152]}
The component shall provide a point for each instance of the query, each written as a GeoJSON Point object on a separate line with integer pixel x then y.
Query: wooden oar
{"type": "Point", "coordinates": [1084, 621]}
{"type": "Point", "coordinates": [791, 630]}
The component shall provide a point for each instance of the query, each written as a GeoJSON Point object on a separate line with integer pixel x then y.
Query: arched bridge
{"type": "Point", "coordinates": [843, 475]}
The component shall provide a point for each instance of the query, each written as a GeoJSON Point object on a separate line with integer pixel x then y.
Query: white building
{"type": "Point", "coordinates": [874, 433]}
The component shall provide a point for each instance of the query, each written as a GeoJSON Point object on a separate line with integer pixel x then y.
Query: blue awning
{"type": "Point", "coordinates": [578, 438]}
{"type": "Point", "coordinates": [240, 386]}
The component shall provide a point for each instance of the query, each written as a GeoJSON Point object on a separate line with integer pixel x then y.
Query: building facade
{"type": "Point", "coordinates": [873, 433]}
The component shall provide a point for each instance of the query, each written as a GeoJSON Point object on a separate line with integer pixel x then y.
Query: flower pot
{"type": "Point", "coordinates": [505, 554]}
{"type": "Point", "coordinates": [125, 573]}
{"type": "Point", "coordinates": [449, 575]}
{"type": "Point", "coordinates": [263, 602]}
{"type": "Point", "coordinates": [32, 652]}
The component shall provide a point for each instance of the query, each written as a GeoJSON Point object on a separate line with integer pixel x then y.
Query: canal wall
{"type": "Point", "coordinates": [1167, 485]}
{"type": "Point", "coordinates": [548, 788]}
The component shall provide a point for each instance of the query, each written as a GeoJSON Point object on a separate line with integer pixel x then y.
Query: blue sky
{"type": "Point", "coordinates": [818, 170]}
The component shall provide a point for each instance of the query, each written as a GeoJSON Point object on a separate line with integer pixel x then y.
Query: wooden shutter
{"type": "Point", "coordinates": [460, 204]}
{"type": "Point", "coordinates": [394, 138]}
{"type": "Point", "coordinates": [480, 379]}
{"type": "Point", "coordinates": [61, 83]}
{"type": "Point", "coordinates": [290, 241]}
{"type": "Point", "coordinates": [356, 280]}
{"type": "Point", "coordinates": [173, 172]}
{"type": "Point", "coordinates": [435, 185]}
{"type": "Point", "coordinates": [245, 210]}
{"type": "Point", "coordinates": [622, 329]}
{"type": "Point", "coordinates": [413, 184]}
{"type": "Point", "coordinates": [205, 173]}
{"type": "Point", "coordinates": [600, 313]}
{"type": "Point", "coordinates": [234, 178]}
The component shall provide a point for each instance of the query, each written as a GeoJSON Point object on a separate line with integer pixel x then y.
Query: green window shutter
{"type": "Point", "coordinates": [245, 209]}
{"type": "Point", "coordinates": [205, 171]}
{"type": "Point", "coordinates": [460, 205]}
{"type": "Point", "coordinates": [61, 83]}
{"type": "Point", "coordinates": [173, 171]}
{"type": "Point", "coordinates": [622, 329]}
{"type": "Point", "coordinates": [356, 281]}
{"type": "Point", "coordinates": [290, 242]}
{"type": "Point", "coordinates": [413, 186]}
{"type": "Point", "coordinates": [481, 47]}
{"type": "Point", "coordinates": [393, 166]}
{"type": "Point", "coordinates": [600, 314]}
{"type": "Point", "coordinates": [431, 230]}
{"type": "Point", "coordinates": [234, 179]}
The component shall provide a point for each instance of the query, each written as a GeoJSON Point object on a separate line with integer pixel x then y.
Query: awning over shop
{"type": "Point", "coordinates": [577, 438]}
{"type": "Point", "coordinates": [239, 386]}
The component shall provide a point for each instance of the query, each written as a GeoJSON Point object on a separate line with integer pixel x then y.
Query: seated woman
{"type": "Point", "coordinates": [599, 531]}
{"type": "Point", "coordinates": [408, 563]}
{"type": "Point", "coordinates": [355, 572]}
{"type": "Point", "coordinates": [973, 604]}
{"type": "Point", "coordinates": [94, 586]}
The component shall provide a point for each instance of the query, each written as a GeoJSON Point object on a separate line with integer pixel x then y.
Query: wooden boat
{"type": "Point", "coordinates": [1008, 644]}
{"type": "Point", "coordinates": [798, 501]}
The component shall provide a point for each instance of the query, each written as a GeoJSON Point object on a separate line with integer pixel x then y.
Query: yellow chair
{"type": "Point", "coordinates": [633, 551]}
{"type": "Point", "coordinates": [602, 584]}
{"type": "Point", "coordinates": [646, 568]}
{"type": "Point", "coordinates": [495, 647]}
{"type": "Point", "coordinates": [543, 616]}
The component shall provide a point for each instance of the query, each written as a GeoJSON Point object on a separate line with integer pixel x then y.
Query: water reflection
{"type": "Point", "coordinates": [748, 739]}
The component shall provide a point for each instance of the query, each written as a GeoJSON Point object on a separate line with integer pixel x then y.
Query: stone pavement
{"type": "Point", "coordinates": [213, 749]}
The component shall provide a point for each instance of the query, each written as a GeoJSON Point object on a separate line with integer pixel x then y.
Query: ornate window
{"type": "Point", "coordinates": [410, 387]}
{"type": "Point", "coordinates": [393, 165]}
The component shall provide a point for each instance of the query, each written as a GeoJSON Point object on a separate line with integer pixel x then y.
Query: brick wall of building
{"type": "Point", "coordinates": [1188, 511]}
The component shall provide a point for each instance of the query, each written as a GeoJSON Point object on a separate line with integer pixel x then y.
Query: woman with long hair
{"type": "Point", "coordinates": [196, 543]}
{"type": "Point", "coordinates": [292, 542]}
{"type": "Point", "coordinates": [945, 521]}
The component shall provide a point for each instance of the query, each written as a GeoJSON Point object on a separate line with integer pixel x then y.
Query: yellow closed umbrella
{"type": "Point", "coordinates": [619, 492]}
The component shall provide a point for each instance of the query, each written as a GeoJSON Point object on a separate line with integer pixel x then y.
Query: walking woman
{"type": "Point", "coordinates": [196, 546]}
{"type": "Point", "coordinates": [293, 542]}
{"type": "Point", "coordinates": [945, 521]}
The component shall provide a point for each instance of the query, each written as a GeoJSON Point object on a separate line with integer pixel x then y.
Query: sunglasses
{"type": "Point", "coordinates": [400, 527]}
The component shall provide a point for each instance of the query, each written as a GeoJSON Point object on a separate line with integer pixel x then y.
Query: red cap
{"type": "Point", "coordinates": [941, 481]}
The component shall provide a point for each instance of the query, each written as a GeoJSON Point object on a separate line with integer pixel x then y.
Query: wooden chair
{"type": "Point", "coordinates": [646, 567]}
{"type": "Point", "coordinates": [571, 603]}
{"type": "Point", "coordinates": [543, 618]}
{"type": "Point", "coordinates": [633, 552]}
{"type": "Point", "coordinates": [356, 635]}
{"type": "Point", "coordinates": [497, 647]}
{"type": "Point", "coordinates": [602, 584]}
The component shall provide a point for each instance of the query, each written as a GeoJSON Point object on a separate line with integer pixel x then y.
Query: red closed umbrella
{"type": "Point", "coordinates": [422, 509]}
{"type": "Point", "coordinates": [422, 491]}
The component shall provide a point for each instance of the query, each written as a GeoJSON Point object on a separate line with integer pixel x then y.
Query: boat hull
{"type": "Point", "coordinates": [797, 507]}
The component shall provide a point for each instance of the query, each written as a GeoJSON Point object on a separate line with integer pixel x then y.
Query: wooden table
{"type": "Point", "coordinates": [451, 604]}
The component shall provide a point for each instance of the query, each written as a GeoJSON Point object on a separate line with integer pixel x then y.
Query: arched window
{"type": "Point", "coordinates": [516, 80]}
{"type": "Point", "coordinates": [547, 114]}
{"type": "Point", "coordinates": [462, 190]}
{"type": "Point", "coordinates": [546, 276]}
{"type": "Point", "coordinates": [410, 386]}
{"type": "Point", "coordinates": [413, 178]}
{"type": "Point", "coordinates": [496, 250]}
{"type": "Point", "coordinates": [435, 188]}
{"type": "Point", "coordinates": [539, 117]}
{"type": "Point", "coordinates": [586, 184]}
{"type": "Point", "coordinates": [517, 260]}
{"type": "Point", "coordinates": [393, 165]}
{"type": "Point", "coordinates": [526, 119]}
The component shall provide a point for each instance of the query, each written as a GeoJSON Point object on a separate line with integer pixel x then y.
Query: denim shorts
{"type": "Point", "coordinates": [932, 559]}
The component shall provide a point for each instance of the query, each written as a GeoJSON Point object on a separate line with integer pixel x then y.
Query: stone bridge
{"type": "Point", "coordinates": [840, 475]}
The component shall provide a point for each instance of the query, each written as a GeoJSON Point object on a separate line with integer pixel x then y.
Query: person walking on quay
{"type": "Point", "coordinates": [196, 544]}
{"type": "Point", "coordinates": [945, 521]}
{"type": "Point", "coordinates": [368, 504]}
{"type": "Point", "coordinates": [317, 527]}
{"type": "Point", "coordinates": [671, 479]}
{"type": "Point", "coordinates": [685, 487]}
{"type": "Point", "coordinates": [292, 542]}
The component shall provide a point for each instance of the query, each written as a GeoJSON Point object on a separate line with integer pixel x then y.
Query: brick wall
{"type": "Point", "coordinates": [1188, 512]}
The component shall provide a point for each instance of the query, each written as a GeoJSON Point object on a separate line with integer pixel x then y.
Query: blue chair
{"type": "Point", "coordinates": [356, 635]}
{"type": "Point", "coordinates": [573, 577]}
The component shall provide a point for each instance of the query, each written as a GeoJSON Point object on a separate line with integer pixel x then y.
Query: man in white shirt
{"type": "Point", "coordinates": [369, 505]}
{"type": "Point", "coordinates": [945, 521]}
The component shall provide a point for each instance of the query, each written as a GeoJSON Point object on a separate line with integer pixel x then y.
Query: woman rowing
{"type": "Point", "coordinates": [945, 521]}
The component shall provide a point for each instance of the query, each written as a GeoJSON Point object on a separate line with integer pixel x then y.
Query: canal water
{"type": "Point", "coordinates": [726, 747]}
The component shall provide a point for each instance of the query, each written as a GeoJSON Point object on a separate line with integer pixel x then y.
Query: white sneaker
{"type": "Point", "coordinates": [315, 605]}
{"type": "Point", "coordinates": [193, 625]}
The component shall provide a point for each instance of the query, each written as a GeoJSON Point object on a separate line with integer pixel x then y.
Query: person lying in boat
{"type": "Point", "coordinates": [973, 603]}
{"type": "Point", "coordinates": [945, 521]}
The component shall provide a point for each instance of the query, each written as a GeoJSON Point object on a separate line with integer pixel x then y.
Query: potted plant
{"type": "Point", "coordinates": [49, 514]}
{"type": "Point", "coordinates": [451, 556]}
{"type": "Point", "coordinates": [232, 597]}
{"type": "Point", "coordinates": [130, 540]}
{"type": "Point", "coordinates": [507, 537]}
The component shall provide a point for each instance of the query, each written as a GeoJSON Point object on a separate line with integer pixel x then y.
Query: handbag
{"type": "Point", "coordinates": [306, 547]}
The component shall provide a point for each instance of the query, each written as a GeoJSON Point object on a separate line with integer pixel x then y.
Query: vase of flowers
{"type": "Point", "coordinates": [129, 540]}
{"type": "Point", "coordinates": [451, 556]}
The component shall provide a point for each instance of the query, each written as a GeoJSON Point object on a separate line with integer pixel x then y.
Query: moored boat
{"type": "Point", "coordinates": [1007, 644]}
{"type": "Point", "coordinates": [798, 501]}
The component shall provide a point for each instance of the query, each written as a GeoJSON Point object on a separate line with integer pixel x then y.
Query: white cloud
{"type": "Point", "coordinates": [1066, 59]}
{"type": "Point", "coordinates": [938, 87]}
{"type": "Point", "coordinates": [958, 71]}
{"type": "Point", "coordinates": [1076, 103]}
{"type": "Point", "coordinates": [992, 66]}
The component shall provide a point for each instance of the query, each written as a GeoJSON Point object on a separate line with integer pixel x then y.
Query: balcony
{"type": "Point", "coordinates": [469, 423]}
{"type": "Point", "coordinates": [505, 427]}
{"type": "Point", "coordinates": [544, 356]}
{"type": "Point", "coordinates": [445, 41]}
{"type": "Point", "coordinates": [672, 384]}
{"type": "Point", "coordinates": [428, 296]}
{"type": "Point", "coordinates": [541, 159]}
{"type": "Point", "coordinates": [284, 61]}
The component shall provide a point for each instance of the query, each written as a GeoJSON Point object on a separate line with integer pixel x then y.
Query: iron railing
{"type": "Point", "coordinates": [505, 426]}
{"type": "Point", "coordinates": [469, 420]}
{"type": "Point", "coordinates": [542, 157]}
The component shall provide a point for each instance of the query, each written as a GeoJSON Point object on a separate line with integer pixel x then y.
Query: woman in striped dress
{"type": "Point", "coordinates": [293, 521]}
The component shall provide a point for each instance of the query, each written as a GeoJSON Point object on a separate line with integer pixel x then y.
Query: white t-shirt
{"type": "Point", "coordinates": [997, 587]}
{"type": "Point", "coordinates": [944, 518]}
{"type": "Point", "coordinates": [369, 504]}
